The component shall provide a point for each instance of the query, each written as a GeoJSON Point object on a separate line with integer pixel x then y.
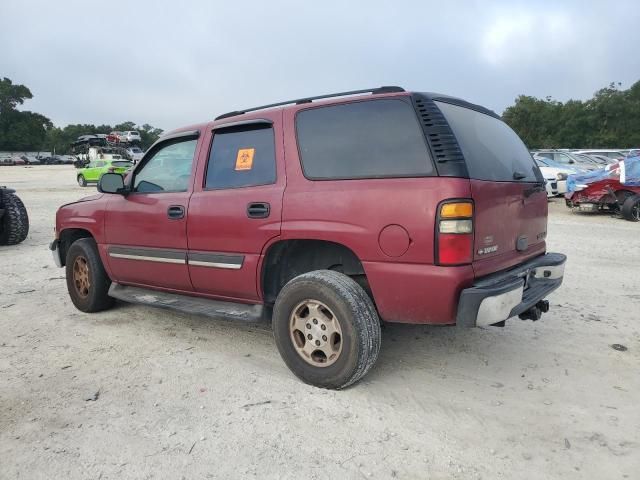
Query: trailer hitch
{"type": "Point", "coordinates": [535, 312]}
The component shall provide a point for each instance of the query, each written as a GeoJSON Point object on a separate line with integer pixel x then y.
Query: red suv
{"type": "Point", "coordinates": [326, 215]}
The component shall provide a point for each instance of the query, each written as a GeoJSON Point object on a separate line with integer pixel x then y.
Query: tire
{"type": "Point", "coordinates": [90, 295]}
{"type": "Point", "coordinates": [349, 306]}
{"type": "Point", "coordinates": [81, 181]}
{"type": "Point", "coordinates": [631, 208]}
{"type": "Point", "coordinates": [14, 225]}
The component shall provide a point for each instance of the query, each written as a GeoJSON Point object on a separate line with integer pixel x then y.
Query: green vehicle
{"type": "Point", "coordinates": [92, 172]}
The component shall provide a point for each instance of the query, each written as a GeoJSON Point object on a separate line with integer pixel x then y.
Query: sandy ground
{"type": "Point", "coordinates": [188, 397]}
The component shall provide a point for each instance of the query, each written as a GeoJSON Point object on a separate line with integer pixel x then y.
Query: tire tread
{"type": "Point", "coordinates": [98, 299]}
{"type": "Point", "coordinates": [15, 221]}
{"type": "Point", "coordinates": [627, 207]}
{"type": "Point", "coordinates": [365, 317]}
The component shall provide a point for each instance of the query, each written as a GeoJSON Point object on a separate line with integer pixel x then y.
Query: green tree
{"type": "Point", "coordinates": [20, 130]}
{"type": "Point", "coordinates": [610, 119]}
{"type": "Point", "coordinates": [12, 95]}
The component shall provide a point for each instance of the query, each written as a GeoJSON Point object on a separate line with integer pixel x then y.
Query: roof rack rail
{"type": "Point", "coordinates": [373, 91]}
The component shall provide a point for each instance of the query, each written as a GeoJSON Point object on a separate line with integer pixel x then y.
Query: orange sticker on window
{"type": "Point", "coordinates": [244, 160]}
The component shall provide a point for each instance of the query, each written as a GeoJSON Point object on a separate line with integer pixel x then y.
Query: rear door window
{"type": "Point", "coordinates": [242, 157]}
{"type": "Point", "coordinates": [370, 139]}
{"type": "Point", "coordinates": [492, 150]}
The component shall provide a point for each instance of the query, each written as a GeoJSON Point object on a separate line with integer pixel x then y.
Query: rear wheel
{"type": "Point", "coordinates": [14, 224]}
{"type": "Point", "coordinates": [631, 208]}
{"type": "Point", "coordinates": [326, 329]}
{"type": "Point", "coordinates": [87, 281]}
{"type": "Point", "coordinates": [82, 181]}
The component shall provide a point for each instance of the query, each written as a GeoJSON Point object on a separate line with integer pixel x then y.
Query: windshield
{"type": "Point", "coordinates": [541, 162]}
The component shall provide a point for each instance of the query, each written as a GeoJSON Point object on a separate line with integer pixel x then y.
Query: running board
{"type": "Point", "coordinates": [187, 304]}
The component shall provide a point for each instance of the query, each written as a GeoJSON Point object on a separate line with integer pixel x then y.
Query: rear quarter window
{"type": "Point", "coordinates": [369, 139]}
{"type": "Point", "coordinates": [492, 151]}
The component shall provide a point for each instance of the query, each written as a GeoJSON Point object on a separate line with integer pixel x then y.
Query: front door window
{"type": "Point", "coordinates": [168, 169]}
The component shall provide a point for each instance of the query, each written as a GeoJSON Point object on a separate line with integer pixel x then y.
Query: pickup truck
{"type": "Point", "coordinates": [327, 216]}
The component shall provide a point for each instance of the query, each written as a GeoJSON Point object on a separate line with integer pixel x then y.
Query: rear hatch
{"type": "Point", "coordinates": [120, 167]}
{"type": "Point", "coordinates": [507, 187]}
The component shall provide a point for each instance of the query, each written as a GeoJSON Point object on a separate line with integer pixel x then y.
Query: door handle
{"type": "Point", "coordinates": [175, 212]}
{"type": "Point", "coordinates": [258, 210]}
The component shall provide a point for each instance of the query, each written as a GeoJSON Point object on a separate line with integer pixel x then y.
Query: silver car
{"type": "Point", "coordinates": [129, 136]}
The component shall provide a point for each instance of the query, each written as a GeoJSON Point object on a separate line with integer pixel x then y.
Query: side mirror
{"type": "Point", "coordinates": [111, 183]}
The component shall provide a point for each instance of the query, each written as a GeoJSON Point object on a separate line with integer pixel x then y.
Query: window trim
{"type": "Point", "coordinates": [401, 98]}
{"type": "Point", "coordinates": [244, 123]}
{"type": "Point", "coordinates": [161, 143]}
{"type": "Point", "coordinates": [266, 124]}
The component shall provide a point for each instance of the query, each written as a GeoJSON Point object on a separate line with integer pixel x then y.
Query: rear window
{"type": "Point", "coordinates": [370, 139]}
{"type": "Point", "coordinates": [492, 150]}
{"type": "Point", "coordinates": [121, 164]}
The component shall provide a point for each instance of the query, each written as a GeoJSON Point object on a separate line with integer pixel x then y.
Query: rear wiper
{"type": "Point", "coordinates": [519, 175]}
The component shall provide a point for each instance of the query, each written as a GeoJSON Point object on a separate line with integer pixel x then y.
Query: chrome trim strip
{"type": "Point", "coordinates": [149, 259]}
{"type": "Point", "coordinates": [179, 257]}
{"type": "Point", "coordinates": [230, 266]}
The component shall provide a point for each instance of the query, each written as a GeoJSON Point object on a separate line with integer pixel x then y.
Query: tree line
{"type": "Point", "coordinates": [22, 130]}
{"type": "Point", "coordinates": [611, 118]}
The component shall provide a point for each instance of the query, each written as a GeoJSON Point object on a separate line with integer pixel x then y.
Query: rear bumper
{"type": "Point", "coordinates": [503, 295]}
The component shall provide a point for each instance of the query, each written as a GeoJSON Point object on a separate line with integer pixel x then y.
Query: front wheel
{"type": "Point", "coordinates": [327, 329]}
{"type": "Point", "coordinates": [631, 208]}
{"type": "Point", "coordinates": [82, 181]}
{"type": "Point", "coordinates": [87, 281]}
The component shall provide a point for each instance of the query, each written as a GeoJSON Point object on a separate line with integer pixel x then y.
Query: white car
{"type": "Point", "coordinates": [129, 136]}
{"type": "Point", "coordinates": [135, 153]}
{"type": "Point", "coordinates": [554, 175]}
{"type": "Point", "coordinates": [614, 154]}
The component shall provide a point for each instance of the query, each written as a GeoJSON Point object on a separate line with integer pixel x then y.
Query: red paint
{"type": "Point", "coordinates": [394, 240]}
{"type": "Point", "coordinates": [140, 220]}
{"type": "Point", "coordinates": [389, 224]}
{"type": "Point", "coordinates": [504, 211]}
{"type": "Point", "coordinates": [218, 222]}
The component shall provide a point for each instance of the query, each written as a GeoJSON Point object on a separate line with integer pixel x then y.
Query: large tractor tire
{"type": "Point", "coordinates": [14, 221]}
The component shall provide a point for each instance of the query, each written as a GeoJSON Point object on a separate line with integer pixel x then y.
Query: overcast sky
{"type": "Point", "coordinates": [180, 62]}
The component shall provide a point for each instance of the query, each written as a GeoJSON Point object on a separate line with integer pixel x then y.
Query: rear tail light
{"type": "Point", "coordinates": [454, 235]}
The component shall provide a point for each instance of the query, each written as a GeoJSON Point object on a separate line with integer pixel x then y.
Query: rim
{"type": "Point", "coordinates": [81, 276]}
{"type": "Point", "coordinates": [635, 211]}
{"type": "Point", "coordinates": [80, 180]}
{"type": "Point", "coordinates": [316, 334]}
